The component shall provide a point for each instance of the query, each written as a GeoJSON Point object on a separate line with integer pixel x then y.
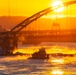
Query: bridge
{"type": "Point", "coordinates": [9, 40]}
{"type": "Point", "coordinates": [34, 37]}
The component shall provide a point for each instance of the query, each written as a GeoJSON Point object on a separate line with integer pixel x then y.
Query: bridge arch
{"type": "Point", "coordinates": [9, 41]}
{"type": "Point", "coordinates": [34, 17]}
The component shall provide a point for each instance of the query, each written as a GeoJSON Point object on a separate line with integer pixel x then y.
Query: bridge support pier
{"type": "Point", "coordinates": [8, 45]}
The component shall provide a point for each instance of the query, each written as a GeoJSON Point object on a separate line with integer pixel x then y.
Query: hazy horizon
{"type": "Point", "coordinates": [11, 21]}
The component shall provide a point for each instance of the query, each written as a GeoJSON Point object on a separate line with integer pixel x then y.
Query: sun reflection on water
{"type": "Point", "coordinates": [57, 60]}
{"type": "Point", "coordinates": [57, 72]}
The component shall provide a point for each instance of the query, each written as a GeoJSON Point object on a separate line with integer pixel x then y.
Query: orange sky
{"type": "Point", "coordinates": [27, 7]}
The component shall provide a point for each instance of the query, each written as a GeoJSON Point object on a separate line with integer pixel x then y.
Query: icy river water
{"type": "Point", "coordinates": [21, 65]}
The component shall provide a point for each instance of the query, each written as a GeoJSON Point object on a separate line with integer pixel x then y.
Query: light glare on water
{"type": "Point", "coordinates": [57, 72]}
{"type": "Point", "coordinates": [57, 61]}
{"type": "Point", "coordinates": [55, 65]}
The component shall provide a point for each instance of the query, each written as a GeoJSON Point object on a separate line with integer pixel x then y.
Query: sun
{"type": "Point", "coordinates": [58, 5]}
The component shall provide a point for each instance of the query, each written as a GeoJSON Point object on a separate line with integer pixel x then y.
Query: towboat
{"type": "Point", "coordinates": [41, 54]}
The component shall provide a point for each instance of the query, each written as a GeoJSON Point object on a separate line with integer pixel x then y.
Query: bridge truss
{"type": "Point", "coordinates": [29, 20]}
{"type": "Point", "coordinates": [8, 40]}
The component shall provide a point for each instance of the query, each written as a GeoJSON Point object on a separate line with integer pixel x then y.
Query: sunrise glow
{"type": "Point", "coordinates": [38, 37]}
{"type": "Point", "coordinates": [28, 7]}
{"type": "Point", "coordinates": [58, 5]}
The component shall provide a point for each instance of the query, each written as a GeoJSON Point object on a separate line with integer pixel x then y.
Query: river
{"type": "Point", "coordinates": [59, 65]}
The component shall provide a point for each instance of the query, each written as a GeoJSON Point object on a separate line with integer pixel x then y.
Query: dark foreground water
{"type": "Point", "coordinates": [21, 65]}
